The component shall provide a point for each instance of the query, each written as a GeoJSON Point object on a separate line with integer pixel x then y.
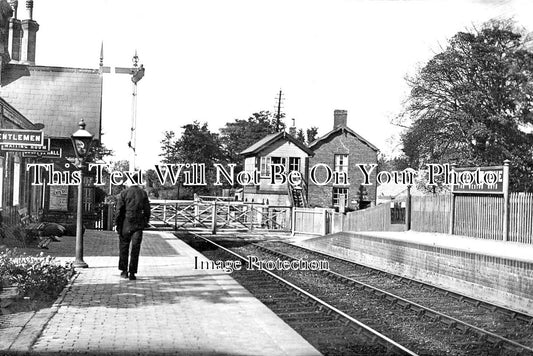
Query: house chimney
{"type": "Point", "coordinates": [339, 118]}
{"type": "Point", "coordinates": [29, 28]}
{"type": "Point", "coordinates": [15, 32]}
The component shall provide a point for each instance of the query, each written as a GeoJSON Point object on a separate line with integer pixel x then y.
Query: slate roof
{"type": "Point", "coordinates": [15, 118]}
{"type": "Point", "coordinates": [270, 139]}
{"type": "Point", "coordinates": [58, 97]}
{"type": "Point", "coordinates": [341, 129]}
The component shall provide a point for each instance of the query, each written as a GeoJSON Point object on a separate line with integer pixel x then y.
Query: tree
{"type": "Point", "coordinates": [300, 136]}
{"type": "Point", "coordinates": [240, 134]}
{"type": "Point", "coordinates": [469, 104]}
{"type": "Point", "coordinates": [168, 147]}
{"type": "Point", "coordinates": [312, 132]}
{"type": "Point", "coordinates": [195, 145]}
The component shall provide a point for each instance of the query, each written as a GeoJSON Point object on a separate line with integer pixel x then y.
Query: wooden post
{"type": "Point", "coordinates": [214, 219]}
{"type": "Point", "coordinates": [110, 215]}
{"type": "Point", "coordinates": [325, 222]}
{"type": "Point", "coordinates": [293, 220]}
{"type": "Point", "coordinates": [251, 210]}
{"type": "Point", "coordinates": [451, 224]}
{"type": "Point", "coordinates": [196, 210]}
{"type": "Point", "coordinates": [452, 215]}
{"type": "Point", "coordinates": [408, 209]}
{"type": "Point", "coordinates": [177, 206]}
{"type": "Point", "coordinates": [506, 200]}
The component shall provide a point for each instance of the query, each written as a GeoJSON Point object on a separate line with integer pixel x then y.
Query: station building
{"type": "Point", "coordinates": [48, 98]}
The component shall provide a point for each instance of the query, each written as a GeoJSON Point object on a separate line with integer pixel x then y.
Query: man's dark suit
{"type": "Point", "coordinates": [133, 214]}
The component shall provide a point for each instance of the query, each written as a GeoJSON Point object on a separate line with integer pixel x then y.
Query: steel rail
{"type": "Point", "coordinates": [389, 342]}
{"type": "Point", "coordinates": [440, 316]}
{"type": "Point", "coordinates": [487, 305]}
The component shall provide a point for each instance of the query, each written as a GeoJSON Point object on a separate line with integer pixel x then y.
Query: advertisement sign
{"type": "Point", "coordinates": [19, 137]}
{"type": "Point", "coordinates": [480, 180]}
{"type": "Point", "coordinates": [58, 198]}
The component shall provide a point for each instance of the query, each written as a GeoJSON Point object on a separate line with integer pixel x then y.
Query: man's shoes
{"type": "Point", "coordinates": [124, 274]}
{"type": "Point", "coordinates": [132, 276]}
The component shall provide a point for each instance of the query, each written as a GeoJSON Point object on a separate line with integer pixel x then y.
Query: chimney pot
{"type": "Point", "coordinates": [29, 8]}
{"type": "Point", "coordinates": [340, 118]}
{"type": "Point", "coordinates": [14, 5]}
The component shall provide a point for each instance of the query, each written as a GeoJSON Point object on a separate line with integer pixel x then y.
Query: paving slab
{"type": "Point", "coordinates": [171, 308]}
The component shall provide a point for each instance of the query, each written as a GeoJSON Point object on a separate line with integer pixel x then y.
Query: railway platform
{"type": "Point", "coordinates": [172, 308]}
{"type": "Point", "coordinates": [497, 272]}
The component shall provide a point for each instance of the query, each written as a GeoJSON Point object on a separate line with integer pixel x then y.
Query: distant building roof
{"type": "Point", "coordinates": [313, 145]}
{"type": "Point", "coordinates": [270, 139]}
{"type": "Point", "coordinates": [58, 97]}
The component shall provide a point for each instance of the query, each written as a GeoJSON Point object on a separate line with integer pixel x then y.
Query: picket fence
{"type": "Point", "coordinates": [475, 216]}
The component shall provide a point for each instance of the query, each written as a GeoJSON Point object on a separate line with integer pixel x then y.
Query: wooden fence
{"type": "Point", "coordinates": [479, 216]}
{"type": "Point", "coordinates": [476, 216]}
{"type": "Point", "coordinates": [323, 221]}
{"type": "Point", "coordinates": [431, 213]}
{"type": "Point", "coordinates": [521, 217]}
{"type": "Point", "coordinates": [311, 221]}
{"type": "Point", "coordinates": [377, 218]}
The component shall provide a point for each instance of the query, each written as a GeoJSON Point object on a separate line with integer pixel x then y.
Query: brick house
{"type": "Point", "coordinates": [55, 98]}
{"type": "Point", "coordinates": [342, 149]}
{"type": "Point", "coordinates": [278, 148]}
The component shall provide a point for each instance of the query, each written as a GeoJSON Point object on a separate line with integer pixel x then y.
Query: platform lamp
{"type": "Point", "coordinates": [81, 140]}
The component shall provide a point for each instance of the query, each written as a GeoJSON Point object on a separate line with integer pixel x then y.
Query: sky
{"type": "Point", "coordinates": [216, 61]}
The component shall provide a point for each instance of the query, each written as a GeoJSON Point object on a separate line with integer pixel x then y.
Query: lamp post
{"type": "Point", "coordinates": [81, 140]}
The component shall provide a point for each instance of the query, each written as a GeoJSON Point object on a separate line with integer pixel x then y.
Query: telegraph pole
{"type": "Point", "coordinates": [278, 114]}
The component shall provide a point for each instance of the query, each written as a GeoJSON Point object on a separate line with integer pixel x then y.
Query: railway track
{"type": "Point", "coordinates": [422, 319]}
{"type": "Point", "coordinates": [507, 331]}
{"type": "Point", "coordinates": [329, 329]}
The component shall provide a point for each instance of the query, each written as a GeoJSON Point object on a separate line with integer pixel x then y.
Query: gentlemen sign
{"type": "Point", "coordinates": [481, 180]}
{"type": "Point", "coordinates": [19, 137]}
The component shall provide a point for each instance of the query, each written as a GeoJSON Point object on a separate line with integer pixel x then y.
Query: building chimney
{"type": "Point", "coordinates": [15, 32]}
{"type": "Point", "coordinates": [29, 29]}
{"type": "Point", "coordinates": [340, 118]}
{"type": "Point", "coordinates": [292, 129]}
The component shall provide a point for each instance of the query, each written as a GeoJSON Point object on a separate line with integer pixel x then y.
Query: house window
{"type": "Point", "coordinates": [341, 163]}
{"type": "Point", "coordinates": [294, 164]}
{"type": "Point", "coordinates": [336, 196]}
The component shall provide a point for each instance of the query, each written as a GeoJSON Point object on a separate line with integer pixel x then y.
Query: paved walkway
{"type": "Point", "coordinates": [170, 309]}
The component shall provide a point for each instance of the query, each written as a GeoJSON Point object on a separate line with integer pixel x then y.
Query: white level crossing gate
{"type": "Point", "coordinates": [218, 215]}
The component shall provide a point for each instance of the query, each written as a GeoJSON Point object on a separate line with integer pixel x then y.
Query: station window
{"type": "Point", "coordinates": [337, 194]}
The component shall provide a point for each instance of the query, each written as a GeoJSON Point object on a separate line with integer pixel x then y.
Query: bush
{"type": "Point", "coordinates": [36, 277]}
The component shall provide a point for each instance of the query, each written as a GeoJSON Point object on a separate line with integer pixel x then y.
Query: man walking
{"type": "Point", "coordinates": [132, 215]}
